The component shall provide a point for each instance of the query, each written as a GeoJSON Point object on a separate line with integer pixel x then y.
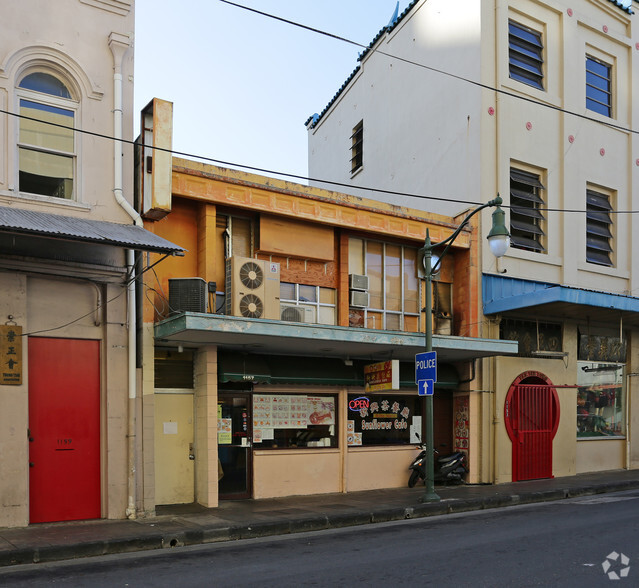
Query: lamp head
{"type": "Point", "coordinates": [499, 237]}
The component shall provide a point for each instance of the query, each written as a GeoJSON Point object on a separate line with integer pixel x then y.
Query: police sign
{"type": "Point", "coordinates": [426, 366]}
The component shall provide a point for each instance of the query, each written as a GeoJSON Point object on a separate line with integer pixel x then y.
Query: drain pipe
{"type": "Point", "coordinates": [119, 45]}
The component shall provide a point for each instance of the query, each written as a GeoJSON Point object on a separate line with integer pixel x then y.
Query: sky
{"type": "Point", "coordinates": [242, 84]}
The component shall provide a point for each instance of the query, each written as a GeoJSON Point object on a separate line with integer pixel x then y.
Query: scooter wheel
{"type": "Point", "coordinates": [414, 476]}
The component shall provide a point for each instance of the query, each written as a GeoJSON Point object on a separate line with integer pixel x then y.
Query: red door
{"type": "Point", "coordinates": [64, 429]}
{"type": "Point", "coordinates": [532, 417]}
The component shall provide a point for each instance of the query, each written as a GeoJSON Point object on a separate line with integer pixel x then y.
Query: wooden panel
{"type": "Point", "coordinates": [294, 239]}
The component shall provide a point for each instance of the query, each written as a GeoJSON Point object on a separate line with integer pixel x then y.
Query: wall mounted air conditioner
{"type": "Point", "coordinates": [252, 288]}
{"type": "Point", "coordinates": [359, 299]}
{"type": "Point", "coordinates": [357, 282]}
{"type": "Point", "coordinates": [187, 295]}
{"type": "Point", "coordinates": [297, 314]}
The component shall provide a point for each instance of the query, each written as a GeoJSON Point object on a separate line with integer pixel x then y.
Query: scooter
{"type": "Point", "coordinates": [449, 469]}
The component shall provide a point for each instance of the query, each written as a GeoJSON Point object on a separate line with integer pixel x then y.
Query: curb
{"type": "Point", "coordinates": [176, 534]}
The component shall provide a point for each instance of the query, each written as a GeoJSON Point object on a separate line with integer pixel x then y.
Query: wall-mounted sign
{"type": "Point", "coordinates": [382, 376]}
{"type": "Point", "coordinates": [11, 355]}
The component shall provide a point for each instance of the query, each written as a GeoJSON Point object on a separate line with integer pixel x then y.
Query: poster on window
{"type": "Point", "coordinates": [462, 429]}
{"type": "Point", "coordinates": [224, 431]}
{"type": "Point", "coordinates": [321, 411]}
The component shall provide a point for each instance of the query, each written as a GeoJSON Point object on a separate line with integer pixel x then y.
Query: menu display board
{"type": "Point", "coordinates": [289, 411]}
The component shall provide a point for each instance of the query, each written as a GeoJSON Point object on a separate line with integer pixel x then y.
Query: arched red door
{"type": "Point", "coordinates": [531, 414]}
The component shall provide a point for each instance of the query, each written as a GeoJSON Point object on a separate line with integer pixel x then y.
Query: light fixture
{"type": "Point", "coordinates": [499, 237]}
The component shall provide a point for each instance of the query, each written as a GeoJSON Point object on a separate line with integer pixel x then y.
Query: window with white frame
{"type": "Point", "coordinates": [525, 55]}
{"type": "Point", "coordinates": [301, 303]}
{"type": "Point", "coordinates": [46, 143]}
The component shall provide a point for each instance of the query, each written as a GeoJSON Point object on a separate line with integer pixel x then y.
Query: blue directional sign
{"type": "Point", "coordinates": [425, 387]}
{"type": "Point", "coordinates": [426, 366]}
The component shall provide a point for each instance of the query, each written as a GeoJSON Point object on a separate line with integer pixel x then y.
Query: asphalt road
{"type": "Point", "coordinates": [561, 543]}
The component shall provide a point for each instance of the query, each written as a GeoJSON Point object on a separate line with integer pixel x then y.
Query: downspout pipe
{"type": "Point", "coordinates": [119, 45]}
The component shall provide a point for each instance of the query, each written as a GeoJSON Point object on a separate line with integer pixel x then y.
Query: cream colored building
{"type": "Point", "coordinates": [68, 233]}
{"type": "Point", "coordinates": [455, 102]}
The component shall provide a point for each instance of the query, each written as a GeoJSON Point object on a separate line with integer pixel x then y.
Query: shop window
{"type": "Point", "coordinates": [46, 139]}
{"type": "Point", "coordinates": [383, 419]}
{"type": "Point", "coordinates": [301, 303]}
{"type": "Point", "coordinates": [526, 217]}
{"type": "Point", "coordinates": [392, 294]}
{"type": "Point", "coordinates": [525, 55]}
{"type": "Point", "coordinates": [600, 400]}
{"type": "Point", "coordinates": [286, 421]}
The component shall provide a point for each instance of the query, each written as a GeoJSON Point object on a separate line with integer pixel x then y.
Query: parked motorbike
{"type": "Point", "coordinates": [448, 469]}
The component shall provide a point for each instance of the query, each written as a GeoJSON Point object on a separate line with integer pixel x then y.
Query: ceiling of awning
{"type": "Point", "coordinates": [299, 339]}
{"type": "Point", "coordinates": [66, 228]}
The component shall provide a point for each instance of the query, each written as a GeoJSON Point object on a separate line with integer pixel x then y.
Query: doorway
{"type": "Point", "coordinates": [532, 417]}
{"type": "Point", "coordinates": [64, 429]}
{"type": "Point", "coordinates": [234, 441]}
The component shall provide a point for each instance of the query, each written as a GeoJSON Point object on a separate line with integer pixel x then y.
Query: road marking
{"type": "Point", "coordinates": [604, 499]}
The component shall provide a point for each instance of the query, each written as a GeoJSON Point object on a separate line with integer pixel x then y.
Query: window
{"type": "Point", "coordinates": [525, 55]}
{"type": "Point", "coordinates": [534, 337]}
{"type": "Point", "coordinates": [300, 303]}
{"type": "Point", "coordinates": [598, 225]}
{"type": "Point", "coordinates": [383, 419]}
{"type": "Point", "coordinates": [46, 152]}
{"type": "Point", "coordinates": [393, 286]}
{"type": "Point", "coordinates": [526, 218]}
{"type": "Point", "coordinates": [294, 420]}
{"type": "Point", "coordinates": [357, 147]}
{"type": "Point", "coordinates": [600, 400]}
{"type": "Point", "coordinates": [598, 86]}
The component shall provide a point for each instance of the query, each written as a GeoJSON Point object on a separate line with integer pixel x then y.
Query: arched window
{"type": "Point", "coordinates": [46, 143]}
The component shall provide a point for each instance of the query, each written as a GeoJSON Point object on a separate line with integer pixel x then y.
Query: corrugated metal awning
{"type": "Point", "coordinates": [67, 228]}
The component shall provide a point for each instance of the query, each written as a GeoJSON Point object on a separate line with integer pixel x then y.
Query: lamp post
{"type": "Point", "coordinates": [499, 241]}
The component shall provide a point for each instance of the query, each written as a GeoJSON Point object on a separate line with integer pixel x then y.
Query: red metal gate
{"type": "Point", "coordinates": [532, 416]}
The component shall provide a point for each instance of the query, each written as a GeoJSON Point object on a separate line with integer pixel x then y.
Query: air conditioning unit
{"type": "Point", "coordinates": [252, 288]}
{"type": "Point", "coordinates": [187, 295]}
{"type": "Point", "coordinates": [297, 314]}
{"type": "Point", "coordinates": [357, 282]}
{"type": "Point", "coordinates": [359, 299]}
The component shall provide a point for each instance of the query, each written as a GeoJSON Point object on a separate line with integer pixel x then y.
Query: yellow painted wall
{"type": "Point", "coordinates": [598, 456]}
{"type": "Point", "coordinates": [291, 472]}
{"type": "Point", "coordinates": [369, 468]}
{"type": "Point", "coordinates": [174, 482]}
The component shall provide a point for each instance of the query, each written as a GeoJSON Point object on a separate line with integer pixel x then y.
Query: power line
{"type": "Point", "coordinates": [436, 70]}
{"type": "Point", "coordinates": [288, 175]}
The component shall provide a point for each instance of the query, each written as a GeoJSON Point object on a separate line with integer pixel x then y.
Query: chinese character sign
{"type": "Point", "coordinates": [11, 355]}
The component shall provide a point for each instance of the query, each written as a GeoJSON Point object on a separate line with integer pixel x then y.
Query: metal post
{"type": "Point", "coordinates": [429, 495]}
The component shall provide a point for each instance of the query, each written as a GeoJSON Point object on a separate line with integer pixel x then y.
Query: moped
{"type": "Point", "coordinates": [448, 469]}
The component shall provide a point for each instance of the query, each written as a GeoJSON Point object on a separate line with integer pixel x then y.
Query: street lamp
{"type": "Point", "coordinates": [498, 241]}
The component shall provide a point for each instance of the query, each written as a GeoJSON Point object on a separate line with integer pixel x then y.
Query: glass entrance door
{"type": "Point", "coordinates": [234, 440]}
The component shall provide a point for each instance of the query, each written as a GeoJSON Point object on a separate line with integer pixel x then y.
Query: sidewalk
{"type": "Point", "coordinates": [181, 525]}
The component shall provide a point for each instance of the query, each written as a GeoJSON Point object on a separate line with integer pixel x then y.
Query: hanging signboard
{"type": "Point", "coordinates": [383, 375]}
{"type": "Point", "coordinates": [11, 355]}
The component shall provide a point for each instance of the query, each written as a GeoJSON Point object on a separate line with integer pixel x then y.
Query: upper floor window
{"type": "Point", "coordinates": [526, 217]}
{"type": "Point", "coordinates": [46, 142]}
{"type": "Point", "coordinates": [301, 303]}
{"type": "Point", "coordinates": [598, 86]}
{"type": "Point", "coordinates": [525, 55]}
{"type": "Point", "coordinates": [357, 147]}
{"type": "Point", "coordinates": [598, 228]}
{"type": "Point", "coordinates": [392, 287]}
